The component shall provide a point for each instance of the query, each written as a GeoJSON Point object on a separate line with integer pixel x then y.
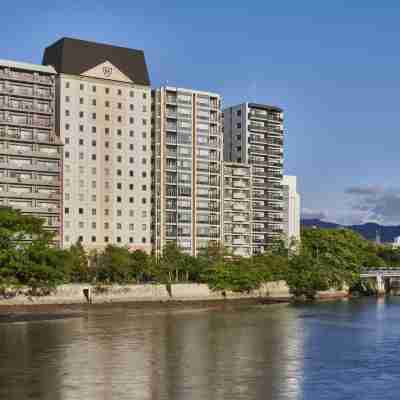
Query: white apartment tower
{"type": "Point", "coordinates": [30, 149]}
{"type": "Point", "coordinates": [104, 121]}
{"type": "Point", "coordinates": [291, 209]}
{"type": "Point", "coordinates": [253, 134]}
{"type": "Point", "coordinates": [187, 142]}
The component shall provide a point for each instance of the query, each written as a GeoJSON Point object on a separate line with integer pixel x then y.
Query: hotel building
{"type": "Point", "coordinates": [30, 149]}
{"type": "Point", "coordinates": [253, 134]}
{"type": "Point", "coordinates": [103, 118]}
{"type": "Point", "coordinates": [187, 146]}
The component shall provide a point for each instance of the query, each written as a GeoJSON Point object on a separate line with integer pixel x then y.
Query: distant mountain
{"type": "Point", "coordinates": [367, 230]}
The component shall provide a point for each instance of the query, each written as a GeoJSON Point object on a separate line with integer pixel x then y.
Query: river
{"type": "Point", "coordinates": [348, 349]}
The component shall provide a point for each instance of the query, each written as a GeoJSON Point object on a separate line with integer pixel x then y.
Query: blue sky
{"type": "Point", "coordinates": [333, 67]}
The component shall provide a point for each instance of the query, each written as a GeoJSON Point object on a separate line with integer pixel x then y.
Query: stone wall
{"type": "Point", "coordinates": [74, 294]}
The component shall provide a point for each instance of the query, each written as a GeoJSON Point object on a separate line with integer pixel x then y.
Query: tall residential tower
{"type": "Point", "coordinates": [103, 108]}
{"type": "Point", "coordinates": [30, 149]}
{"type": "Point", "coordinates": [187, 142]}
{"type": "Point", "coordinates": [253, 134]}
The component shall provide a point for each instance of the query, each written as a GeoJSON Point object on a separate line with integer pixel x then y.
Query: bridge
{"type": "Point", "coordinates": [383, 277]}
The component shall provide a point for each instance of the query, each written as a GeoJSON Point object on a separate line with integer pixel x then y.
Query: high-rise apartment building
{"type": "Point", "coordinates": [253, 134]}
{"type": "Point", "coordinates": [30, 150]}
{"type": "Point", "coordinates": [187, 142]}
{"type": "Point", "coordinates": [291, 209]}
{"type": "Point", "coordinates": [237, 208]}
{"type": "Point", "coordinates": [104, 121]}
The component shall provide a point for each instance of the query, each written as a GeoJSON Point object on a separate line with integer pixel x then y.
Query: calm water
{"type": "Point", "coordinates": [340, 350]}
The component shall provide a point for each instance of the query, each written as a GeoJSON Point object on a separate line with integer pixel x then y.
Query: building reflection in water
{"type": "Point", "coordinates": [121, 352]}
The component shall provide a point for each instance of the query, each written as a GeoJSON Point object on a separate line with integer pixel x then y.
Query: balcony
{"type": "Point", "coordinates": [27, 122]}
{"type": "Point", "coordinates": [30, 195]}
{"type": "Point", "coordinates": [26, 77]}
{"type": "Point", "coordinates": [29, 167]}
{"type": "Point", "coordinates": [171, 127]}
{"type": "Point", "coordinates": [25, 107]}
{"type": "Point", "coordinates": [240, 231]}
{"type": "Point", "coordinates": [240, 218]}
{"type": "Point", "coordinates": [24, 92]}
{"type": "Point", "coordinates": [239, 195]}
{"type": "Point", "coordinates": [29, 153]}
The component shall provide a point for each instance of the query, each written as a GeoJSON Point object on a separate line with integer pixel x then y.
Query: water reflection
{"type": "Point", "coordinates": [120, 352]}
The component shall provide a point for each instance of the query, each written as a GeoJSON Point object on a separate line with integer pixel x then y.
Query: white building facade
{"type": "Point", "coordinates": [187, 141]}
{"type": "Point", "coordinates": [104, 121]}
{"type": "Point", "coordinates": [291, 209]}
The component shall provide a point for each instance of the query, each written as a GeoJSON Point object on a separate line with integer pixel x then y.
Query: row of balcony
{"type": "Point", "coordinates": [34, 77]}
{"type": "Point", "coordinates": [25, 107]}
{"type": "Point", "coordinates": [29, 195]}
{"type": "Point", "coordinates": [25, 92]}
{"type": "Point", "coordinates": [15, 134]}
{"type": "Point", "coordinates": [32, 166]}
{"type": "Point", "coordinates": [30, 122]}
{"type": "Point", "coordinates": [29, 152]}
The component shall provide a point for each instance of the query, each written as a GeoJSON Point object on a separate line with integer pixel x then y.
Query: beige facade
{"type": "Point", "coordinates": [30, 150]}
{"type": "Point", "coordinates": [237, 208]}
{"type": "Point", "coordinates": [187, 168]}
{"type": "Point", "coordinates": [105, 128]}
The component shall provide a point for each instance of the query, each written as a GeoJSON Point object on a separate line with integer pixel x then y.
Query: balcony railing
{"type": "Point", "coordinates": [25, 107]}
{"type": "Point", "coordinates": [26, 77]}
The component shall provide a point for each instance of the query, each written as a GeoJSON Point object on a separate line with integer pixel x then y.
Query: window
{"type": "Point", "coordinates": [118, 239]}
{"type": "Point", "coordinates": [67, 85]}
{"type": "Point", "coordinates": [144, 200]}
{"type": "Point", "coordinates": [81, 142]}
{"type": "Point", "coordinates": [93, 170]}
{"type": "Point", "coordinates": [67, 154]}
{"type": "Point", "coordinates": [67, 113]}
{"type": "Point", "coordinates": [80, 239]}
{"type": "Point", "coordinates": [80, 114]}
{"type": "Point", "coordinates": [130, 239]}
{"type": "Point", "coordinates": [93, 88]}
{"type": "Point", "coordinates": [81, 100]}
{"type": "Point", "coordinates": [66, 127]}
{"type": "Point", "coordinates": [106, 211]}
{"type": "Point", "coordinates": [94, 116]}
{"type": "Point", "coordinates": [144, 240]}
{"type": "Point", "coordinates": [144, 135]}
{"type": "Point", "coordinates": [144, 121]}
{"type": "Point", "coordinates": [106, 225]}
{"type": "Point", "coordinates": [131, 120]}
{"type": "Point", "coordinates": [67, 238]}
{"type": "Point", "coordinates": [106, 144]}
{"type": "Point", "coordinates": [144, 227]}
{"type": "Point", "coordinates": [144, 161]}
{"type": "Point", "coordinates": [107, 198]}
{"type": "Point", "coordinates": [94, 102]}
{"type": "Point", "coordinates": [107, 131]}
{"type": "Point", "coordinates": [107, 90]}
{"type": "Point", "coordinates": [131, 107]}
{"type": "Point", "coordinates": [93, 238]}
{"type": "Point", "coordinates": [144, 95]}
{"type": "Point", "coordinates": [67, 140]}
{"type": "Point", "coordinates": [238, 125]}
{"type": "Point", "coordinates": [119, 118]}
{"type": "Point", "coordinates": [119, 92]}
{"type": "Point", "coordinates": [144, 187]}
{"type": "Point", "coordinates": [131, 173]}
{"type": "Point", "coordinates": [93, 143]}
{"type": "Point", "coordinates": [119, 213]}
{"type": "Point", "coordinates": [119, 145]}
{"type": "Point", "coordinates": [144, 174]}
{"type": "Point", "coordinates": [144, 213]}
{"type": "Point", "coordinates": [239, 113]}
{"type": "Point", "coordinates": [81, 86]}
{"type": "Point", "coordinates": [93, 225]}
{"type": "Point", "coordinates": [119, 106]}
{"type": "Point", "coordinates": [107, 117]}
{"type": "Point", "coordinates": [93, 129]}
{"type": "Point", "coordinates": [93, 211]}
{"type": "Point", "coordinates": [131, 93]}
{"type": "Point", "coordinates": [119, 172]}
{"type": "Point", "coordinates": [144, 108]}
{"type": "Point", "coordinates": [131, 200]}
{"type": "Point", "coordinates": [106, 239]}
{"type": "Point", "coordinates": [131, 160]}
{"type": "Point", "coordinates": [94, 184]}
{"type": "Point", "coordinates": [131, 186]}
{"type": "Point", "coordinates": [93, 197]}
{"type": "Point", "coordinates": [67, 99]}
{"type": "Point", "coordinates": [94, 157]}
{"type": "Point", "coordinates": [131, 213]}
{"type": "Point", "coordinates": [131, 146]}
{"type": "Point", "coordinates": [106, 157]}
{"type": "Point", "coordinates": [131, 133]}
{"type": "Point", "coordinates": [66, 211]}
{"type": "Point", "coordinates": [144, 147]}
{"type": "Point", "coordinates": [119, 199]}
{"type": "Point", "coordinates": [81, 211]}
{"type": "Point", "coordinates": [107, 104]}
{"type": "Point", "coordinates": [119, 132]}
{"type": "Point", "coordinates": [131, 227]}
{"type": "Point", "coordinates": [119, 185]}
{"type": "Point", "coordinates": [119, 159]}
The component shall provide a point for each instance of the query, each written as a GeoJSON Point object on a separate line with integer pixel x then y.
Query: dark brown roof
{"type": "Point", "coordinates": [73, 56]}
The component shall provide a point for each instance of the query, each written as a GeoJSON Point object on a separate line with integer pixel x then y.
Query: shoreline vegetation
{"type": "Point", "coordinates": [324, 260]}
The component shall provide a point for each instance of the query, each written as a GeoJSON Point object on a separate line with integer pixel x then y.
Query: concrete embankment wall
{"type": "Point", "coordinates": [74, 294]}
